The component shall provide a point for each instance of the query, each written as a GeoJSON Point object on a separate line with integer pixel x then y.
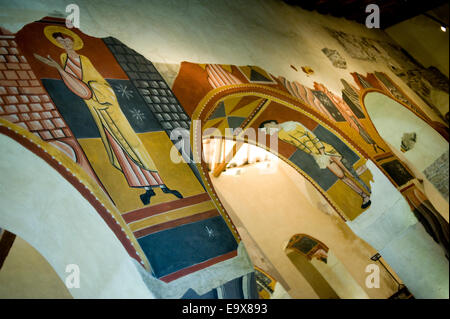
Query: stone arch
{"type": "Point", "coordinates": [266, 197]}
{"type": "Point", "coordinates": [315, 260]}
{"type": "Point", "coordinates": [430, 152]}
{"type": "Point", "coordinates": [297, 108]}
{"type": "Point", "coordinates": [46, 209]}
{"type": "Point", "coordinates": [25, 273]}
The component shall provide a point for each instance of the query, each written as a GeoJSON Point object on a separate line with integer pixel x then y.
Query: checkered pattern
{"type": "Point", "coordinates": [151, 86]}
{"type": "Point", "coordinates": [23, 100]}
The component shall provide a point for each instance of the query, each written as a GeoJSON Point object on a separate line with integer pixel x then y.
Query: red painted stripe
{"type": "Point", "coordinates": [74, 61]}
{"type": "Point", "coordinates": [407, 187]}
{"type": "Point", "coordinates": [127, 170]}
{"type": "Point", "coordinates": [157, 178]}
{"type": "Point", "coordinates": [211, 82]}
{"type": "Point", "coordinates": [216, 76]}
{"type": "Point", "coordinates": [136, 170]}
{"type": "Point", "coordinates": [149, 177]}
{"type": "Point", "coordinates": [76, 70]}
{"type": "Point", "coordinates": [212, 79]}
{"type": "Point", "coordinates": [175, 223]}
{"type": "Point", "coordinates": [224, 74]}
{"type": "Point", "coordinates": [197, 267]}
{"type": "Point", "coordinates": [221, 74]}
{"type": "Point", "coordinates": [164, 207]}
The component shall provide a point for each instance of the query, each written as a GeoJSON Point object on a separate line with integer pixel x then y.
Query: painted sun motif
{"type": "Point", "coordinates": [123, 91]}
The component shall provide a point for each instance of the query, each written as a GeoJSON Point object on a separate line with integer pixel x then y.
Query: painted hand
{"type": "Point", "coordinates": [49, 61]}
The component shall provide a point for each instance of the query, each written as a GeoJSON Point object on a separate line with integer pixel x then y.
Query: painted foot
{"type": "Point", "coordinates": [170, 191]}
{"type": "Point", "coordinates": [145, 198]}
{"type": "Point", "coordinates": [366, 202]}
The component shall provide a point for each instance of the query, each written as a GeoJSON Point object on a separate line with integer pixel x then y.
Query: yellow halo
{"type": "Point", "coordinates": [51, 29]}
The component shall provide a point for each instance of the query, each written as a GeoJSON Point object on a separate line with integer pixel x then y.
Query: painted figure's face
{"type": "Point", "coordinates": [67, 43]}
{"type": "Point", "coordinates": [271, 128]}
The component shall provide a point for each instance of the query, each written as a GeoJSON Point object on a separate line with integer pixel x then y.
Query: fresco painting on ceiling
{"type": "Point", "coordinates": [335, 108]}
{"type": "Point", "coordinates": [351, 97]}
{"type": "Point", "coordinates": [336, 59]}
{"type": "Point", "coordinates": [408, 141]}
{"type": "Point", "coordinates": [121, 114]}
{"type": "Point", "coordinates": [307, 70]}
{"type": "Point", "coordinates": [233, 113]}
{"type": "Point", "coordinates": [322, 153]}
{"type": "Point", "coordinates": [254, 74]}
{"type": "Point", "coordinates": [423, 81]}
{"type": "Point", "coordinates": [397, 171]}
{"type": "Point", "coordinates": [308, 246]}
{"type": "Point", "coordinates": [357, 47]}
{"type": "Point", "coordinates": [437, 173]}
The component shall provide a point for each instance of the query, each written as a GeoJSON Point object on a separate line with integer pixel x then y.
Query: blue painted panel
{"type": "Point", "coordinates": [324, 177]}
{"type": "Point", "coordinates": [328, 137]}
{"type": "Point", "coordinates": [306, 162]}
{"type": "Point", "coordinates": [174, 249]}
{"type": "Point", "coordinates": [77, 115]}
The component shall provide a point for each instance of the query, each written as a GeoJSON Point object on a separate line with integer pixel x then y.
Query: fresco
{"type": "Point", "coordinates": [334, 107]}
{"type": "Point", "coordinates": [317, 155]}
{"type": "Point", "coordinates": [125, 150]}
{"type": "Point", "coordinates": [408, 141]}
{"type": "Point", "coordinates": [109, 110]}
{"type": "Point", "coordinates": [336, 59]}
{"type": "Point", "coordinates": [381, 82]}
{"type": "Point", "coordinates": [423, 81]}
{"type": "Point", "coordinates": [308, 246]}
{"type": "Point", "coordinates": [357, 47]}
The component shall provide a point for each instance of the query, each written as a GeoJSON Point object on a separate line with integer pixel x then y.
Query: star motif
{"type": "Point", "coordinates": [123, 91]}
{"type": "Point", "coordinates": [210, 232]}
{"type": "Point", "coordinates": [138, 115]}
